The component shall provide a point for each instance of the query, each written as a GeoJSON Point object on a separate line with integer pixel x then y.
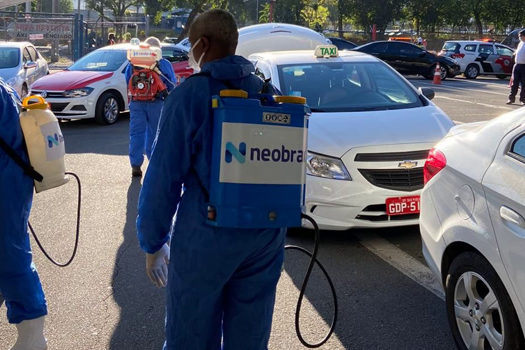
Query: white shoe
{"type": "Point", "coordinates": [31, 335]}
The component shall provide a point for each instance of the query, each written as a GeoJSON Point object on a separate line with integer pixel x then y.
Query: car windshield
{"type": "Point", "coordinates": [348, 86]}
{"type": "Point", "coordinates": [450, 47]}
{"type": "Point", "coordinates": [9, 57]}
{"type": "Point", "coordinates": [100, 60]}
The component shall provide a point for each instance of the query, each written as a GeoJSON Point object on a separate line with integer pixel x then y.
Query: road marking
{"type": "Point", "coordinates": [463, 88]}
{"type": "Point", "coordinates": [403, 262]}
{"type": "Point", "coordinates": [475, 103]}
{"type": "Point", "coordinates": [495, 83]}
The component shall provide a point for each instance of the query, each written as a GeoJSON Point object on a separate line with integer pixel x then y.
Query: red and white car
{"type": "Point", "coordinates": [93, 87]}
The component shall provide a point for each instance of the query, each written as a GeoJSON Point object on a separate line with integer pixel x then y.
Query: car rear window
{"type": "Point", "coordinates": [9, 57]}
{"type": "Point", "coordinates": [451, 47]}
{"type": "Point", "coordinates": [100, 60]}
{"type": "Point", "coordinates": [347, 86]}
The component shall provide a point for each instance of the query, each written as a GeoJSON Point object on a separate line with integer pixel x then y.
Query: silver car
{"type": "Point", "coordinates": [21, 65]}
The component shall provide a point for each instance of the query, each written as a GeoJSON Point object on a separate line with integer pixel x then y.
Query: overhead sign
{"type": "Point", "coordinates": [24, 30]}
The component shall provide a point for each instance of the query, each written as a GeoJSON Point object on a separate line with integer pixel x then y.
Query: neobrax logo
{"type": "Point", "coordinates": [54, 140]}
{"type": "Point", "coordinates": [238, 153]}
{"type": "Point", "coordinates": [280, 154]}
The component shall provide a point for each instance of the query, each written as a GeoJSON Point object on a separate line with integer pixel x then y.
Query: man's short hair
{"type": "Point", "coordinates": [522, 32]}
{"type": "Point", "coordinates": [218, 26]}
{"type": "Point", "coordinates": [152, 41]}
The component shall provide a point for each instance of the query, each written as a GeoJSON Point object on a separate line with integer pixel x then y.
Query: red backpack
{"type": "Point", "coordinates": [146, 85]}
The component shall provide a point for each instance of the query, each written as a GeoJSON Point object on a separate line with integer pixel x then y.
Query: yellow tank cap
{"type": "Point", "coordinates": [233, 93]}
{"type": "Point", "coordinates": [290, 99]}
{"type": "Point", "coordinates": [40, 104]}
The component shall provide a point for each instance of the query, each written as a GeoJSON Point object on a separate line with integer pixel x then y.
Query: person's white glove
{"type": "Point", "coordinates": [157, 266]}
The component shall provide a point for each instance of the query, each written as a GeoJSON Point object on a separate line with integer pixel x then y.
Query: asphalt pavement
{"type": "Point", "coordinates": [386, 295]}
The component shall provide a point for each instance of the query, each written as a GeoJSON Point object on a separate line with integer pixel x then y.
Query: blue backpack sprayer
{"type": "Point", "coordinates": [258, 170]}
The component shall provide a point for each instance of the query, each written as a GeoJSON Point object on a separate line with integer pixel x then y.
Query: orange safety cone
{"type": "Point", "coordinates": [437, 75]}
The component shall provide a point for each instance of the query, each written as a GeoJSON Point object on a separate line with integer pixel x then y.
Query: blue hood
{"type": "Point", "coordinates": [229, 68]}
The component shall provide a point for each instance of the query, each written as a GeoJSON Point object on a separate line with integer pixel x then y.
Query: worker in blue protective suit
{"type": "Point", "coordinates": [19, 282]}
{"type": "Point", "coordinates": [220, 281]}
{"type": "Point", "coordinates": [144, 115]}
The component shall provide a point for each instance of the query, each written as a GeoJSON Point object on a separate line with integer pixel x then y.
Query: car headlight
{"type": "Point", "coordinates": [78, 92]}
{"type": "Point", "coordinates": [327, 167]}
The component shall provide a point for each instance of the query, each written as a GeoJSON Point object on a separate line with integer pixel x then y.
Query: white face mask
{"type": "Point", "coordinates": [195, 65]}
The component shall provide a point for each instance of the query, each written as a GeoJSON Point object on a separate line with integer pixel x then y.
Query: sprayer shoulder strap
{"type": "Point", "coordinates": [28, 169]}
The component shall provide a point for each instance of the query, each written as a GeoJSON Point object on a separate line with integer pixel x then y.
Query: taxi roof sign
{"type": "Point", "coordinates": [326, 51]}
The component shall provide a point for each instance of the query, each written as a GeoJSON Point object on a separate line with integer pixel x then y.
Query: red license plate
{"type": "Point", "coordinates": [402, 205]}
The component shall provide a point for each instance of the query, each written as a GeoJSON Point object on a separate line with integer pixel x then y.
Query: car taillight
{"type": "Point", "coordinates": [458, 55]}
{"type": "Point", "coordinates": [435, 162]}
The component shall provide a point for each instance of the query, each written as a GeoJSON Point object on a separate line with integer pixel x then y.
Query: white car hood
{"type": "Point", "coordinates": [335, 134]}
{"type": "Point", "coordinates": [8, 73]}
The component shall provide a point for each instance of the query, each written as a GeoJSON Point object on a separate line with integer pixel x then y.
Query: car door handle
{"type": "Point", "coordinates": [510, 215]}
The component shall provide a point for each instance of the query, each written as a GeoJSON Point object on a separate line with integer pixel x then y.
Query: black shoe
{"type": "Point", "coordinates": [135, 171]}
{"type": "Point", "coordinates": [509, 102]}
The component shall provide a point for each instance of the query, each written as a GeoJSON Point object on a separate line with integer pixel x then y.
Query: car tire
{"type": "Point", "coordinates": [502, 76]}
{"type": "Point", "coordinates": [443, 72]}
{"type": "Point", "coordinates": [472, 71]}
{"type": "Point", "coordinates": [471, 283]}
{"type": "Point", "coordinates": [108, 108]}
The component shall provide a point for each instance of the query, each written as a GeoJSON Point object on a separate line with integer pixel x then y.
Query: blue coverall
{"type": "Point", "coordinates": [220, 281]}
{"type": "Point", "coordinates": [19, 282]}
{"type": "Point", "coordinates": [144, 116]}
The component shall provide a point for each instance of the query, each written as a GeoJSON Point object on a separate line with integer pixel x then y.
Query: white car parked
{"type": "Point", "coordinates": [369, 133]}
{"type": "Point", "coordinates": [473, 230]}
{"type": "Point", "coordinates": [21, 65]}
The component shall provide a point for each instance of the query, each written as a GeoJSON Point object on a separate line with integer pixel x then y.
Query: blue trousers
{"type": "Point", "coordinates": [143, 122]}
{"type": "Point", "coordinates": [221, 283]}
{"type": "Point", "coordinates": [19, 282]}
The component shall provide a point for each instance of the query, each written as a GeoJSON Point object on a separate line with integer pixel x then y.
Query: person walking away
{"type": "Point", "coordinates": [20, 285]}
{"type": "Point", "coordinates": [518, 72]}
{"type": "Point", "coordinates": [221, 282]}
{"type": "Point", "coordinates": [144, 114]}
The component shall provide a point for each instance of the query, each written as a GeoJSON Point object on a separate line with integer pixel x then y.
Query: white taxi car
{"type": "Point", "coordinates": [476, 57]}
{"type": "Point", "coordinates": [369, 134]}
{"type": "Point", "coordinates": [473, 230]}
{"type": "Point", "coordinates": [93, 87]}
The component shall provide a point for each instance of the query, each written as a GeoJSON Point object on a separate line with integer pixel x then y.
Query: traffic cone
{"type": "Point", "coordinates": [437, 75]}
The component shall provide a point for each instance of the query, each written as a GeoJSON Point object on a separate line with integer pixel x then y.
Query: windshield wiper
{"type": "Point", "coordinates": [319, 110]}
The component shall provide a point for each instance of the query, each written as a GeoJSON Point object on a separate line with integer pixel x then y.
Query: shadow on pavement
{"type": "Point", "coordinates": [374, 311]}
{"type": "Point", "coordinates": [142, 305]}
{"type": "Point", "coordinates": [86, 136]}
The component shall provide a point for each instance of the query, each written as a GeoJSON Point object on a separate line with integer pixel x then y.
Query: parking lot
{"type": "Point", "coordinates": [387, 297]}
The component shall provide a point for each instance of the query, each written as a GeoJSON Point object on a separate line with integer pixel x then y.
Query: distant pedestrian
{"type": "Point", "coordinates": [111, 39]}
{"type": "Point", "coordinates": [518, 72]}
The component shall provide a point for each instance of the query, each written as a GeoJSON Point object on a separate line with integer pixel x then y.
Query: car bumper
{"type": "Point", "coordinates": [71, 108]}
{"type": "Point", "coordinates": [453, 70]}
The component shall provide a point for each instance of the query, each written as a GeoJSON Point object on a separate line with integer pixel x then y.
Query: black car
{"type": "Point", "coordinates": [342, 44]}
{"type": "Point", "coordinates": [408, 58]}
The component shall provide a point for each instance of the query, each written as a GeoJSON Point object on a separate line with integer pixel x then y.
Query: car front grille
{"type": "Point", "coordinates": [58, 107]}
{"type": "Point", "coordinates": [391, 156]}
{"type": "Point", "coordinates": [49, 94]}
{"type": "Point", "coordinates": [395, 179]}
{"type": "Point", "coordinates": [377, 213]}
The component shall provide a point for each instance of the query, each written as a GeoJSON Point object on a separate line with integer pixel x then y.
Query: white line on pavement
{"type": "Point", "coordinates": [454, 87]}
{"type": "Point", "coordinates": [403, 262]}
{"type": "Point", "coordinates": [475, 103]}
{"type": "Point", "coordinates": [494, 83]}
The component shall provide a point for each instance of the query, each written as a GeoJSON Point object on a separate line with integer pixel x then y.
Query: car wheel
{"type": "Point", "coordinates": [501, 76]}
{"type": "Point", "coordinates": [443, 72]}
{"type": "Point", "coordinates": [471, 72]}
{"type": "Point", "coordinates": [24, 91]}
{"type": "Point", "coordinates": [480, 312]}
{"type": "Point", "coordinates": [108, 108]}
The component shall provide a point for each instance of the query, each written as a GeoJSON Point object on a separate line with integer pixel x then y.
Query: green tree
{"type": "Point", "coordinates": [315, 13]}
{"type": "Point", "coordinates": [379, 12]}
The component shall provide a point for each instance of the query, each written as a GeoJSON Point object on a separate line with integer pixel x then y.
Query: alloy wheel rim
{"type": "Point", "coordinates": [443, 72]}
{"type": "Point", "coordinates": [111, 109]}
{"type": "Point", "coordinates": [472, 72]}
{"type": "Point", "coordinates": [478, 314]}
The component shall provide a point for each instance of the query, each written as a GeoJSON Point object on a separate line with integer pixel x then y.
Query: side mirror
{"type": "Point", "coordinates": [427, 92]}
{"type": "Point", "coordinates": [30, 64]}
